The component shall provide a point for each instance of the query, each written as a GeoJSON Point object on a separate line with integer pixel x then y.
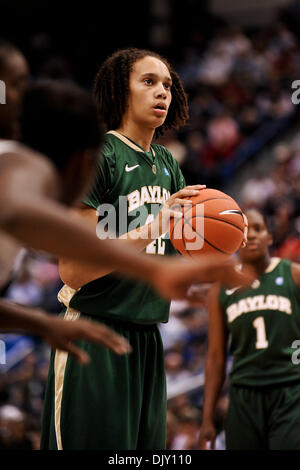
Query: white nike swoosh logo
{"type": "Point", "coordinates": [130, 168]}
{"type": "Point", "coordinates": [231, 291]}
{"type": "Point", "coordinates": [231, 211]}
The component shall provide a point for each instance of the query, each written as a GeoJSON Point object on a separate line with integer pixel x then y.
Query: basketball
{"type": "Point", "coordinates": [212, 224]}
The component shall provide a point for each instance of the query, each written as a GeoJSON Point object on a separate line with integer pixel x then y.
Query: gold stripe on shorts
{"type": "Point", "coordinates": [60, 362]}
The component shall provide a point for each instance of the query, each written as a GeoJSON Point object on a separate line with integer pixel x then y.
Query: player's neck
{"type": "Point", "coordinates": [260, 265]}
{"type": "Point", "coordinates": [142, 136]}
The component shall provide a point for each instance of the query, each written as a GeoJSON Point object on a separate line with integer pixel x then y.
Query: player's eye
{"type": "Point", "coordinates": [148, 81]}
{"type": "Point", "coordinates": [167, 85]}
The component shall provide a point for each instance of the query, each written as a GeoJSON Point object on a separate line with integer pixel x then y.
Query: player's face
{"type": "Point", "coordinates": [259, 239]}
{"type": "Point", "coordinates": [15, 76]}
{"type": "Point", "coordinates": [149, 92]}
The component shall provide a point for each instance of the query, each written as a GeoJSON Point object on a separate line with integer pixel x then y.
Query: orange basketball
{"type": "Point", "coordinates": [212, 224]}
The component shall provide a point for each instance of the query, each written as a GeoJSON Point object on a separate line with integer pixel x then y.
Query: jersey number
{"type": "Point", "coordinates": [158, 246]}
{"type": "Point", "coordinates": [261, 339]}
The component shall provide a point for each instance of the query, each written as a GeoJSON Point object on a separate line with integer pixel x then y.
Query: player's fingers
{"type": "Point", "coordinates": [175, 213]}
{"type": "Point", "coordinates": [170, 211]}
{"type": "Point", "coordinates": [81, 356]}
{"type": "Point", "coordinates": [108, 338]}
{"type": "Point", "coordinates": [202, 444]}
{"type": "Point", "coordinates": [208, 445]}
{"type": "Point", "coordinates": [180, 202]}
{"type": "Point", "coordinates": [187, 192]}
{"type": "Point", "coordinates": [195, 186]}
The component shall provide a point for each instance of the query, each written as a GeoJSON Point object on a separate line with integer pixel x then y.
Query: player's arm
{"type": "Point", "coordinates": [215, 367]}
{"type": "Point", "coordinates": [170, 277]}
{"type": "Point", "coordinates": [8, 253]}
{"type": "Point", "coordinates": [295, 268]}
{"type": "Point", "coordinates": [76, 274]}
{"type": "Point", "coordinates": [59, 333]}
{"type": "Point", "coordinates": [30, 214]}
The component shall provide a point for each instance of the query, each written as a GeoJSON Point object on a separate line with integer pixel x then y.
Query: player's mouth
{"type": "Point", "coordinates": [251, 246]}
{"type": "Point", "coordinates": [160, 109]}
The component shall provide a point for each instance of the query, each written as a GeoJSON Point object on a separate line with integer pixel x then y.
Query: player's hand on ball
{"type": "Point", "coordinates": [207, 436]}
{"type": "Point", "coordinates": [172, 208]}
{"type": "Point", "coordinates": [180, 198]}
{"type": "Point", "coordinates": [61, 334]}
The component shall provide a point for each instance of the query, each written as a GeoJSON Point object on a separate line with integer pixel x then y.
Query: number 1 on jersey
{"type": "Point", "coordinates": [261, 339]}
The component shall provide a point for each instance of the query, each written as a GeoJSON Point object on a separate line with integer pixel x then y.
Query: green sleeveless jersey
{"type": "Point", "coordinates": [263, 322]}
{"type": "Point", "coordinates": [144, 180]}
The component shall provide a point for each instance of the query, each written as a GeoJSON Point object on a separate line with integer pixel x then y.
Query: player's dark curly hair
{"type": "Point", "coordinates": [265, 217]}
{"type": "Point", "coordinates": [111, 90]}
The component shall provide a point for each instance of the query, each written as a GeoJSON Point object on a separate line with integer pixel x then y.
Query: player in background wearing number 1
{"type": "Point", "coordinates": [263, 321]}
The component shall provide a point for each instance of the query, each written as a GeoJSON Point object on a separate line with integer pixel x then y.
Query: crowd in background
{"type": "Point", "coordinates": [239, 87]}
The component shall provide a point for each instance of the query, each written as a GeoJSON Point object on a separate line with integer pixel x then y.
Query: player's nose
{"type": "Point", "coordinates": [160, 91]}
{"type": "Point", "coordinates": [251, 234]}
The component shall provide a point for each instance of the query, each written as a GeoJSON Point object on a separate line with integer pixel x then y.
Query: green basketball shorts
{"type": "Point", "coordinates": [266, 418]}
{"type": "Point", "coordinates": [113, 403]}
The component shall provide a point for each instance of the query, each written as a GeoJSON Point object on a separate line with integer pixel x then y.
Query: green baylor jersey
{"type": "Point", "coordinates": [263, 322]}
{"type": "Point", "coordinates": [128, 191]}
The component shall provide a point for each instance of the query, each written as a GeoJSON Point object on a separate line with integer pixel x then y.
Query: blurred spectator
{"type": "Point", "coordinates": [25, 289]}
{"type": "Point", "coordinates": [257, 190]}
{"type": "Point", "coordinates": [188, 427]}
{"type": "Point", "coordinates": [172, 429]}
{"type": "Point", "coordinates": [172, 143]}
{"type": "Point", "coordinates": [175, 370]}
{"type": "Point", "coordinates": [173, 332]}
{"type": "Point", "coordinates": [290, 249]}
{"type": "Point", "coordinates": [223, 136]}
{"type": "Point", "coordinates": [13, 429]}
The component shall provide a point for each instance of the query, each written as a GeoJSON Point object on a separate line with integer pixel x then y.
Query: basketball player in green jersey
{"type": "Point", "coordinates": [263, 322]}
{"type": "Point", "coordinates": [54, 111]}
{"type": "Point", "coordinates": [124, 406]}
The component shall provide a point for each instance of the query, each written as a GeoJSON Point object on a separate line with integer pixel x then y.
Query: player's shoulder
{"type": "Point", "coordinates": [108, 151]}
{"type": "Point", "coordinates": [15, 154]}
{"type": "Point", "coordinates": [109, 146]}
{"type": "Point", "coordinates": [13, 148]}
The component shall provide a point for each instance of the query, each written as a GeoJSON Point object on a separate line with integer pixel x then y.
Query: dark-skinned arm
{"type": "Point", "coordinates": [215, 367]}
{"type": "Point", "coordinates": [58, 332]}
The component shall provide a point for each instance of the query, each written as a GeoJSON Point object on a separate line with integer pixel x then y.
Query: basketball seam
{"type": "Point", "coordinates": [212, 198]}
{"type": "Point", "coordinates": [220, 220]}
{"type": "Point", "coordinates": [205, 200]}
{"type": "Point", "coordinates": [204, 239]}
{"type": "Point", "coordinates": [182, 237]}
